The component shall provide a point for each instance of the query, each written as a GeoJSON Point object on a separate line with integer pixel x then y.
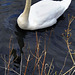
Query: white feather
{"type": "Point", "coordinates": [45, 13]}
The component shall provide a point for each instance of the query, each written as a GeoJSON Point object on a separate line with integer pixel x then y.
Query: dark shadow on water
{"type": "Point", "coordinates": [22, 33]}
{"type": "Point", "coordinates": [20, 36]}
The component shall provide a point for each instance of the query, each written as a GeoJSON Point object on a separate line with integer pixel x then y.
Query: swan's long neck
{"type": "Point", "coordinates": [27, 9]}
{"type": "Point", "coordinates": [66, 3]}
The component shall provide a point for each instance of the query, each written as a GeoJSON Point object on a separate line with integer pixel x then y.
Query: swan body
{"type": "Point", "coordinates": [41, 14]}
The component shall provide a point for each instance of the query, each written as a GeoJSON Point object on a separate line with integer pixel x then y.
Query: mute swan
{"type": "Point", "coordinates": [41, 14]}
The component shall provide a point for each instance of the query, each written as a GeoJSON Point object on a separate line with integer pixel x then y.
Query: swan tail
{"type": "Point", "coordinates": [66, 3]}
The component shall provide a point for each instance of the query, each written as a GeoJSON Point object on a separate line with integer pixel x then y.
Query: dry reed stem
{"type": "Point", "coordinates": [10, 70]}
{"type": "Point", "coordinates": [46, 53]}
{"type": "Point", "coordinates": [38, 60]}
{"type": "Point", "coordinates": [52, 70]}
{"type": "Point", "coordinates": [10, 43]}
{"type": "Point", "coordinates": [37, 55]}
{"type": "Point", "coordinates": [56, 73]}
{"type": "Point", "coordinates": [73, 72]}
{"type": "Point", "coordinates": [69, 70]}
{"type": "Point", "coordinates": [50, 67]}
{"type": "Point", "coordinates": [10, 51]}
{"type": "Point", "coordinates": [64, 64]}
{"type": "Point", "coordinates": [4, 59]}
{"type": "Point", "coordinates": [27, 64]}
{"type": "Point", "coordinates": [68, 35]}
{"type": "Point", "coordinates": [67, 40]}
{"type": "Point", "coordinates": [45, 69]}
{"type": "Point", "coordinates": [5, 65]}
{"type": "Point", "coordinates": [14, 60]}
{"type": "Point", "coordinates": [49, 39]}
{"type": "Point", "coordinates": [21, 65]}
{"type": "Point", "coordinates": [43, 64]}
{"type": "Point", "coordinates": [10, 57]}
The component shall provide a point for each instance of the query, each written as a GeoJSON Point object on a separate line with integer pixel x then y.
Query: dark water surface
{"type": "Point", "coordinates": [9, 11]}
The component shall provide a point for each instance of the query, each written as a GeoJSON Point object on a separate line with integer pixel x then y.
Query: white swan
{"type": "Point", "coordinates": [41, 14]}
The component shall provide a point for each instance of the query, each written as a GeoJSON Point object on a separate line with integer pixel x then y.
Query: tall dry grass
{"type": "Point", "coordinates": [40, 58]}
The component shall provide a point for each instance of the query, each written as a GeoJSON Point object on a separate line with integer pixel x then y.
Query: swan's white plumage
{"type": "Point", "coordinates": [49, 11]}
{"type": "Point", "coordinates": [45, 13]}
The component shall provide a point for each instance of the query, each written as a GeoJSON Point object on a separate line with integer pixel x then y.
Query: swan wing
{"type": "Point", "coordinates": [44, 11]}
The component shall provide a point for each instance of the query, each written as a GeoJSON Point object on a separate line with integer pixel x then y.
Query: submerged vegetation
{"type": "Point", "coordinates": [38, 58]}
